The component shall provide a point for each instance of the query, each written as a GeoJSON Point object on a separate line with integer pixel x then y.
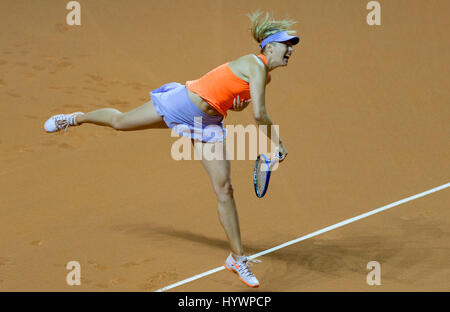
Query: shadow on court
{"type": "Point", "coordinates": [332, 255]}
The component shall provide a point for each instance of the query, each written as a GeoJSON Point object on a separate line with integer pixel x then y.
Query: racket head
{"type": "Point", "coordinates": [261, 175]}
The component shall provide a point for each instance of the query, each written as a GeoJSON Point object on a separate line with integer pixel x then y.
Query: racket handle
{"type": "Point", "coordinates": [278, 154]}
{"type": "Point", "coordinates": [276, 158]}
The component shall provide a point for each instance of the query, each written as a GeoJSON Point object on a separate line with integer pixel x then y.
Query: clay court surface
{"type": "Point", "coordinates": [363, 110]}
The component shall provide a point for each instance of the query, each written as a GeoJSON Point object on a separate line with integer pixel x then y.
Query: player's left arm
{"type": "Point", "coordinates": [239, 104]}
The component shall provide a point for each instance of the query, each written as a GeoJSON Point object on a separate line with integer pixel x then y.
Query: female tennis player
{"type": "Point", "coordinates": [231, 86]}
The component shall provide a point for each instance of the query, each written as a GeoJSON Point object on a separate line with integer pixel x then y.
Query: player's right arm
{"type": "Point", "coordinates": [257, 80]}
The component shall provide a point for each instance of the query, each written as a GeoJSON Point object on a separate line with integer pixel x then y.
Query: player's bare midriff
{"type": "Point", "coordinates": [202, 104]}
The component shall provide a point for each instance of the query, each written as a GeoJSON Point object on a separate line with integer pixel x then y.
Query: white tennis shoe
{"type": "Point", "coordinates": [61, 122]}
{"type": "Point", "coordinates": [241, 268]}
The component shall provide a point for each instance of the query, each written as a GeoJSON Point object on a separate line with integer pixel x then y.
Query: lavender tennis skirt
{"type": "Point", "coordinates": [172, 102]}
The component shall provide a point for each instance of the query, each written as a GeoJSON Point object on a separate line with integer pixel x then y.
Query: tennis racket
{"type": "Point", "coordinates": [262, 170]}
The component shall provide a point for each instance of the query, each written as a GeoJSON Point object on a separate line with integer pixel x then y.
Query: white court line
{"type": "Point", "coordinates": [332, 227]}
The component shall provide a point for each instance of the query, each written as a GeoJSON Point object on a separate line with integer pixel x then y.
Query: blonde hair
{"type": "Point", "coordinates": [264, 26]}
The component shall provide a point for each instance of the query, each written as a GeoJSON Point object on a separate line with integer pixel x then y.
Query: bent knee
{"type": "Point", "coordinates": [224, 190]}
{"type": "Point", "coordinates": [117, 121]}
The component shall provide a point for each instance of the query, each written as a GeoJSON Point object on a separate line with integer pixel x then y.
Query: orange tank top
{"type": "Point", "coordinates": [221, 86]}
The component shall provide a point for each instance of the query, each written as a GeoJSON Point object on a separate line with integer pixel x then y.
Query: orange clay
{"type": "Point", "coordinates": [220, 86]}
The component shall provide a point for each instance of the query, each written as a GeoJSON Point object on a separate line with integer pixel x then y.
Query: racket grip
{"type": "Point", "coordinates": [278, 154]}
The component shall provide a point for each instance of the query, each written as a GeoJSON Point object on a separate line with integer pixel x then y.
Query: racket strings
{"type": "Point", "coordinates": [261, 175]}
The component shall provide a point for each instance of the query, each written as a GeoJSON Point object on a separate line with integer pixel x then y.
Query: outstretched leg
{"type": "Point", "coordinates": [143, 117]}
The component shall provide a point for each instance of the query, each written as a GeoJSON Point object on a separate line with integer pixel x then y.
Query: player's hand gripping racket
{"type": "Point", "coordinates": [262, 170]}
